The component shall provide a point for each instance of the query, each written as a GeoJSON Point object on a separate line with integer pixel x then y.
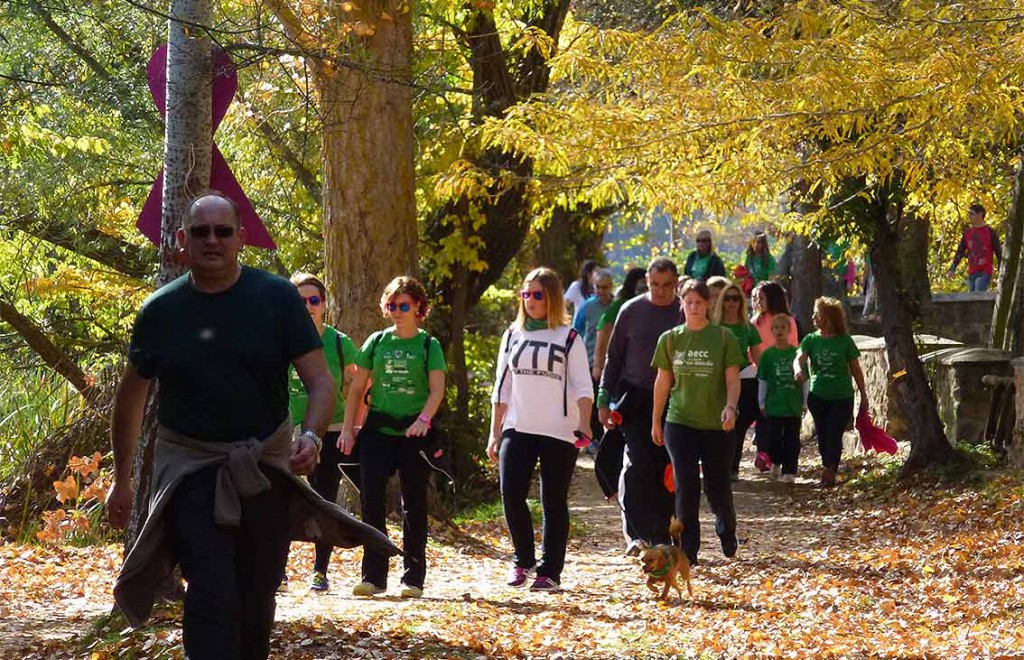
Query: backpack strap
{"type": "Point", "coordinates": [426, 352]}
{"type": "Point", "coordinates": [507, 339]}
{"type": "Point", "coordinates": [373, 349]}
{"type": "Point", "coordinates": [341, 352]}
{"type": "Point", "coordinates": [569, 341]}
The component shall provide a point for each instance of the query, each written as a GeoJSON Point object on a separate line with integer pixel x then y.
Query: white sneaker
{"type": "Point", "coordinates": [789, 478]}
{"type": "Point", "coordinates": [366, 589]}
{"type": "Point", "coordinates": [776, 471]}
{"type": "Point", "coordinates": [409, 591]}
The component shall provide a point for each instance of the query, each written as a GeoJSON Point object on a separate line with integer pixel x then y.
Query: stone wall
{"type": "Point", "coordinates": [964, 402]}
{"type": "Point", "coordinates": [964, 317]}
{"type": "Point", "coordinates": [955, 372]}
{"type": "Point", "coordinates": [879, 381]}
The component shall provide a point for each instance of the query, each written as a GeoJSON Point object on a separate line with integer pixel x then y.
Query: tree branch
{"type": "Point", "coordinates": [115, 253]}
{"type": "Point", "coordinates": [69, 41]}
{"type": "Point", "coordinates": [293, 29]}
{"type": "Point", "coordinates": [53, 355]}
{"type": "Point", "coordinates": [299, 169]}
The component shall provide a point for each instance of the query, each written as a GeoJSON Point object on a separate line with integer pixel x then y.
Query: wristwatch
{"type": "Point", "coordinates": [317, 440]}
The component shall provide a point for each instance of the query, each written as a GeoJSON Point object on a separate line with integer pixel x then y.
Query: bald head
{"type": "Point", "coordinates": [212, 206]}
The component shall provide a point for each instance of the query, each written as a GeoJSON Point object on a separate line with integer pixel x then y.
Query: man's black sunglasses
{"type": "Point", "coordinates": [203, 231]}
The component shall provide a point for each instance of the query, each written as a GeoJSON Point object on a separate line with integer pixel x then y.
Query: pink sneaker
{"type": "Point", "coordinates": [762, 462]}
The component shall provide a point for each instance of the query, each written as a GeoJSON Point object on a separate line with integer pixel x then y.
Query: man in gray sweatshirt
{"type": "Point", "coordinates": [628, 383]}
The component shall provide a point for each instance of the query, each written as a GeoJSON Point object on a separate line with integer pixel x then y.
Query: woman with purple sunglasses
{"type": "Point", "coordinates": [542, 401]}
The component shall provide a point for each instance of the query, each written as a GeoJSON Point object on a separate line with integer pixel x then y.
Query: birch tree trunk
{"type": "Point", "coordinates": [188, 141]}
{"type": "Point", "coordinates": [1009, 308]}
{"type": "Point", "coordinates": [369, 197]}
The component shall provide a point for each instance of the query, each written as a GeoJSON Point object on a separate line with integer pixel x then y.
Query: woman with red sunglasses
{"type": "Point", "coordinates": [340, 352]}
{"type": "Point", "coordinates": [542, 401]}
{"type": "Point", "coordinates": [408, 373]}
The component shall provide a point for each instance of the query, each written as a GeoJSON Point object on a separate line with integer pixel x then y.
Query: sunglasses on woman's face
{"type": "Point", "coordinates": [402, 307]}
{"type": "Point", "coordinates": [732, 298]}
{"type": "Point", "coordinates": [313, 301]}
{"type": "Point", "coordinates": [203, 231]}
{"type": "Point", "coordinates": [536, 295]}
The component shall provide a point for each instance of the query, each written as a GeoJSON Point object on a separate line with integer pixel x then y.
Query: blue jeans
{"type": "Point", "coordinates": [977, 282]}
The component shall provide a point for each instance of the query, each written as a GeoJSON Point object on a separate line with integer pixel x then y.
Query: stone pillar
{"type": "Point", "coordinates": [1016, 449]}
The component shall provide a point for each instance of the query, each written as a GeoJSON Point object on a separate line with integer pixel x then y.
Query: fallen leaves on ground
{"type": "Point", "coordinates": [919, 572]}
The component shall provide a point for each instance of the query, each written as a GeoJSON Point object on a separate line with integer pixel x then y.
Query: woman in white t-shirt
{"type": "Point", "coordinates": [541, 404]}
{"type": "Point", "coordinates": [581, 289]}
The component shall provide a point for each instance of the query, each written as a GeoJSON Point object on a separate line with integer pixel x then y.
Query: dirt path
{"type": "Point", "coordinates": [930, 573]}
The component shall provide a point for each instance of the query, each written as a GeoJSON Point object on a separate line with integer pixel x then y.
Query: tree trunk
{"type": "Point", "coordinates": [188, 143]}
{"type": "Point", "coordinates": [458, 371]}
{"type": "Point", "coordinates": [569, 239]}
{"type": "Point", "coordinates": [1009, 308]}
{"type": "Point", "coordinates": [805, 285]}
{"type": "Point", "coordinates": [913, 268]}
{"type": "Point", "coordinates": [369, 197]}
{"type": "Point", "coordinates": [928, 442]}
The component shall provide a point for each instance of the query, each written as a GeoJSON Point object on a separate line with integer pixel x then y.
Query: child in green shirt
{"type": "Point", "coordinates": [782, 401]}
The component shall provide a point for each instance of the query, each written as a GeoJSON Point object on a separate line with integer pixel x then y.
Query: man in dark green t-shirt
{"type": "Point", "coordinates": [220, 340]}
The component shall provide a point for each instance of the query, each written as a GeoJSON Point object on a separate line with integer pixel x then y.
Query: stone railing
{"type": "Point", "coordinates": [964, 317]}
{"type": "Point", "coordinates": [955, 372]}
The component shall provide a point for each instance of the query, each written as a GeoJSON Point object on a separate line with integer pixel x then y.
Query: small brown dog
{"type": "Point", "coordinates": [667, 564]}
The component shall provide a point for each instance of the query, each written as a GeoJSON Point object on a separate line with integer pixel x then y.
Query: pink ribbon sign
{"type": "Point", "coordinates": [225, 83]}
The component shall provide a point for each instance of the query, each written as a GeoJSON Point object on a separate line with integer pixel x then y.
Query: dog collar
{"type": "Point", "coordinates": [662, 572]}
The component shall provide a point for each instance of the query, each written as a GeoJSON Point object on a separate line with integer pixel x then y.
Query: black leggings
{"type": "Point", "coordinates": [830, 420]}
{"type": "Point", "coordinates": [325, 482]}
{"type": "Point", "coordinates": [517, 459]}
{"type": "Point", "coordinates": [690, 449]}
{"type": "Point", "coordinates": [782, 437]}
{"type": "Point", "coordinates": [749, 412]}
{"type": "Point", "coordinates": [380, 456]}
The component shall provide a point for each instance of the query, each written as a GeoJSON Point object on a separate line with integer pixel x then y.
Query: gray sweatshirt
{"type": "Point", "coordinates": [632, 345]}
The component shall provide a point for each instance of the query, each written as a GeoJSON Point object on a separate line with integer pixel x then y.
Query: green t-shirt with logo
{"type": "Point", "coordinates": [698, 360]}
{"type": "Point", "coordinates": [298, 400]}
{"type": "Point", "coordinates": [747, 336]}
{"type": "Point", "coordinates": [785, 397]}
{"type": "Point", "coordinates": [830, 364]}
{"type": "Point", "coordinates": [400, 372]}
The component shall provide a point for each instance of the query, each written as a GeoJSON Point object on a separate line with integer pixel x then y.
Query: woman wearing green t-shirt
{"type": "Point", "coordinates": [699, 377]}
{"type": "Point", "coordinates": [731, 313]}
{"type": "Point", "coordinates": [340, 352]}
{"type": "Point", "coordinates": [832, 356]}
{"type": "Point", "coordinates": [408, 370]}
